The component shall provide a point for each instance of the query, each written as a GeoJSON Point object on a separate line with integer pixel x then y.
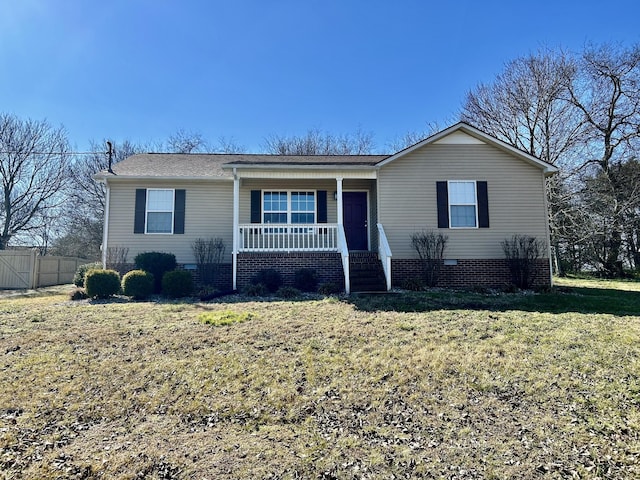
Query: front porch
{"type": "Point", "coordinates": [309, 221]}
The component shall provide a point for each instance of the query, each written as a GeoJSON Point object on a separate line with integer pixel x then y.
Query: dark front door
{"type": "Point", "coordinates": [354, 208]}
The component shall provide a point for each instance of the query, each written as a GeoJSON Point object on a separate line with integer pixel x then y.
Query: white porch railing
{"type": "Point", "coordinates": [275, 237]}
{"type": "Point", "coordinates": [384, 251]}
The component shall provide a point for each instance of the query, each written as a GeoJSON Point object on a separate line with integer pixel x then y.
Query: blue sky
{"type": "Point", "coordinates": [247, 69]}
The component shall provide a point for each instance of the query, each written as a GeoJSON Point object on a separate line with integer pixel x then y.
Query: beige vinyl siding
{"type": "Point", "coordinates": [208, 214]}
{"type": "Point", "coordinates": [313, 185]}
{"type": "Point", "coordinates": [407, 191]}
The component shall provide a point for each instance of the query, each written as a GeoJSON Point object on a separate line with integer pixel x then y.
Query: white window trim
{"type": "Point", "coordinates": [475, 204]}
{"type": "Point", "coordinates": [289, 206]}
{"type": "Point", "coordinates": [173, 210]}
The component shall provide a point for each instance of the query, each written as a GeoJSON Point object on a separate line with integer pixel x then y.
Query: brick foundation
{"type": "Point", "coordinates": [328, 266]}
{"type": "Point", "coordinates": [490, 273]}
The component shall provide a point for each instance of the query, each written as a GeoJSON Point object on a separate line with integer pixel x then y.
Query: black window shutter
{"type": "Point", "coordinates": [483, 205]}
{"type": "Point", "coordinates": [178, 214]}
{"type": "Point", "coordinates": [322, 206]}
{"type": "Point", "coordinates": [443, 204]}
{"type": "Point", "coordinates": [140, 210]}
{"type": "Point", "coordinates": [255, 206]}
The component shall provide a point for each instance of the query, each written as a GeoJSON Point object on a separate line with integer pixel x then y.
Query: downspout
{"type": "Point", "coordinates": [105, 229]}
{"type": "Point", "coordinates": [236, 222]}
{"type": "Point", "coordinates": [547, 227]}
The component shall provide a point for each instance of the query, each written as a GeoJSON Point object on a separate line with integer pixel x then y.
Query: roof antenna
{"type": "Point", "coordinates": [110, 153]}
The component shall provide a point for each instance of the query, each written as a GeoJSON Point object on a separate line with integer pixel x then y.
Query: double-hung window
{"type": "Point", "coordinates": [288, 207]}
{"type": "Point", "coordinates": [463, 204]}
{"type": "Point", "coordinates": [160, 209]}
{"type": "Point", "coordinates": [275, 207]}
{"type": "Point", "coordinates": [303, 207]}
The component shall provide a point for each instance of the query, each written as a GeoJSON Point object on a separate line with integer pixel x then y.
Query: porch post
{"type": "Point", "coordinates": [339, 207]}
{"type": "Point", "coordinates": [236, 222]}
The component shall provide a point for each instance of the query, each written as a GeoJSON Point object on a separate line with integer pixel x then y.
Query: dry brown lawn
{"type": "Point", "coordinates": [417, 385]}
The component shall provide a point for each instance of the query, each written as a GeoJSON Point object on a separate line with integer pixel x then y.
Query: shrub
{"type": "Point", "coordinates": [157, 264]}
{"type": "Point", "coordinates": [137, 284]}
{"type": "Point", "coordinates": [306, 279]}
{"type": "Point", "coordinates": [225, 317]}
{"type": "Point", "coordinates": [78, 278]}
{"type": "Point", "coordinates": [521, 252]}
{"type": "Point", "coordinates": [177, 283]}
{"type": "Point", "coordinates": [256, 290]}
{"type": "Point", "coordinates": [208, 255]}
{"type": "Point", "coordinates": [430, 247]}
{"type": "Point", "coordinates": [78, 294]}
{"type": "Point", "coordinates": [270, 278]}
{"type": "Point", "coordinates": [102, 283]}
{"type": "Point", "coordinates": [329, 288]}
{"type": "Point", "coordinates": [288, 292]}
{"type": "Point", "coordinates": [414, 284]}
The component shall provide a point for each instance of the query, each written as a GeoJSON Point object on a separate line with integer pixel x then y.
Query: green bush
{"type": "Point", "coordinates": [157, 264]}
{"type": "Point", "coordinates": [102, 283]}
{"type": "Point", "coordinates": [177, 283]}
{"type": "Point", "coordinates": [78, 278]}
{"type": "Point", "coordinates": [288, 292]}
{"type": "Point", "coordinates": [270, 278]}
{"type": "Point", "coordinates": [306, 279]}
{"type": "Point", "coordinates": [329, 288]}
{"type": "Point", "coordinates": [256, 290]}
{"type": "Point", "coordinates": [137, 284]}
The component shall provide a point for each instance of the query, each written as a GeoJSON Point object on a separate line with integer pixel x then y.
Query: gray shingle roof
{"type": "Point", "coordinates": [170, 165]}
{"type": "Point", "coordinates": [209, 165]}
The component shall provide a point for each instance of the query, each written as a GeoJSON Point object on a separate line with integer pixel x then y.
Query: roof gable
{"type": "Point", "coordinates": [463, 133]}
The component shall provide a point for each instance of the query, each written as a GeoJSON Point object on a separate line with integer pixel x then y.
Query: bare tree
{"type": "Point", "coordinates": [607, 94]}
{"type": "Point", "coordinates": [34, 159]}
{"type": "Point", "coordinates": [88, 194]}
{"type": "Point", "coordinates": [186, 142]}
{"type": "Point", "coordinates": [582, 113]}
{"type": "Point", "coordinates": [526, 107]}
{"type": "Point", "coordinates": [414, 136]}
{"type": "Point", "coordinates": [317, 142]}
{"type": "Point", "coordinates": [84, 210]}
{"type": "Point", "coordinates": [228, 145]}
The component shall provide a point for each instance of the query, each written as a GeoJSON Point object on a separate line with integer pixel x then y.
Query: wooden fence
{"type": "Point", "coordinates": [22, 269]}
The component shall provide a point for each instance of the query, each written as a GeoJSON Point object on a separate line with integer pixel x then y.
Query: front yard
{"type": "Point", "coordinates": [416, 385]}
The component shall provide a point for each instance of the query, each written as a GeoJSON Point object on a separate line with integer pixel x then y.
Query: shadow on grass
{"type": "Point", "coordinates": [559, 300]}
